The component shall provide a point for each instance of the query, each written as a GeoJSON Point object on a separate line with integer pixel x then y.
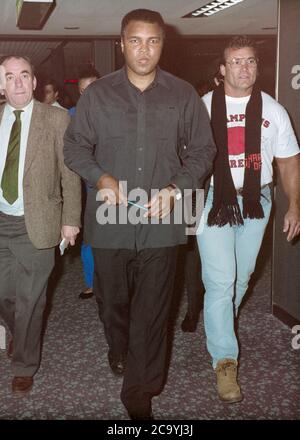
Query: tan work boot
{"type": "Point", "coordinates": [228, 388]}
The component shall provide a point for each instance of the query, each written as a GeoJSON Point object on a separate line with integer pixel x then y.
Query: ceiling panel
{"type": "Point", "coordinates": [103, 17]}
{"type": "Point", "coordinates": [37, 51]}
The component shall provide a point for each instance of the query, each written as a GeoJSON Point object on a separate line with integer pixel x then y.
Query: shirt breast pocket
{"type": "Point", "coordinates": [112, 122]}
{"type": "Point", "coordinates": [168, 125]}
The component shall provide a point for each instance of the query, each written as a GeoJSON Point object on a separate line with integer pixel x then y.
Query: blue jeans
{"type": "Point", "coordinates": [88, 264]}
{"type": "Point", "coordinates": [228, 255]}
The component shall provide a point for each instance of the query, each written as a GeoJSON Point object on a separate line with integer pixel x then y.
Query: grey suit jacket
{"type": "Point", "coordinates": [52, 192]}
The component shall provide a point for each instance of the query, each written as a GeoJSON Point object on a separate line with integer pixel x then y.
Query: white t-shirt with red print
{"type": "Point", "coordinates": [277, 136]}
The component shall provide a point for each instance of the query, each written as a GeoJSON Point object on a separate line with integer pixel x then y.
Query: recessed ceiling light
{"type": "Point", "coordinates": [212, 8]}
{"type": "Point", "coordinates": [33, 14]}
{"type": "Point", "coordinates": [72, 28]}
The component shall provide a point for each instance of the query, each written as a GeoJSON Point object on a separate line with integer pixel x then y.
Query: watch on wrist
{"type": "Point", "coordinates": [177, 192]}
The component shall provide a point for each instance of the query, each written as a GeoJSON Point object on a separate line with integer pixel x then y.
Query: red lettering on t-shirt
{"type": "Point", "coordinates": [233, 118]}
{"type": "Point", "coordinates": [265, 123]}
{"type": "Point", "coordinates": [254, 161]}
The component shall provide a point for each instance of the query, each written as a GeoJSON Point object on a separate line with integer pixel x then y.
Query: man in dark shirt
{"type": "Point", "coordinates": [151, 131]}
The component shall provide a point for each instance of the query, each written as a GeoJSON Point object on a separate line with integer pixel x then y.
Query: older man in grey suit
{"type": "Point", "coordinates": [40, 204]}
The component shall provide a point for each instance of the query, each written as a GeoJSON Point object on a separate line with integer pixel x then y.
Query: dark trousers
{"type": "Point", "coordinates": [192, 277]}
{"type": "Point", "coordinates": [24, 273]}
{"type": "Point", "coordinates": [134, 292]}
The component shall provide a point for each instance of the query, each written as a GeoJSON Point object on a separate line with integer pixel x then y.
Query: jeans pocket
{"type": "Point", "coordinates": [266, 196]}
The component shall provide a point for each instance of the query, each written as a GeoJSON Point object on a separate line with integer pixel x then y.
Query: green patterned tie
{"type": "Point", "coordinates": [9, 182]}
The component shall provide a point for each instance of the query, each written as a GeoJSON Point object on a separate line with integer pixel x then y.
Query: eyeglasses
{"type": "Point", "coordinates": [237, 62]}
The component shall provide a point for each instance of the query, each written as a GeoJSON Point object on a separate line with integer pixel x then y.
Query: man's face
{"type": "Point", "coordinates": [20, 82]}
{"type": "Point", "coordinates": [50, 96]}
{"type": "Point", "coordinates": [239, 79]}
{"type": "Point", "coordinates": [84, 82]}
{"type": "Point", "coordinates": [142, 45]}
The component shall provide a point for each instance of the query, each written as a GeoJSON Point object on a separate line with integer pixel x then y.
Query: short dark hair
{"type": "Point", "coordinates": [145, 15]}
{"type": "Point", "coordinates": [89, 72]}
{"type": "Point", "coordinates": [239, 42]}
{"type": "Point", "coordinates": [19, 57]}
{"type": "Point", "coordinates": [53, 83]}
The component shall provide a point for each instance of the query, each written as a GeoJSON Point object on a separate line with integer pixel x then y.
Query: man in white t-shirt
{"type": "Point", "coordinates": [250, 129]}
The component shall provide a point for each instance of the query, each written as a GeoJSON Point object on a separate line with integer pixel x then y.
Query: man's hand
{"type": "Point", "coordinates": [291, 223]}
{"type": "Point", "coordinates": [69, 233]}
{"type": "Point", "coordinates": [111, 190]}
{"type": "Point", "coordinates": [2, 79]}
{"type": "Point", "coordinates": [161, 204]}
{"type": "Point", "coordinates": [289, 168]}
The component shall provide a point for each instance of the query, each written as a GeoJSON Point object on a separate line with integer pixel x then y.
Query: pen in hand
{"type": "Point", "coordinates": [130, 202]}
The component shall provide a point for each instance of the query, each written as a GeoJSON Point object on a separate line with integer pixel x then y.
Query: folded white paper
{"type": "Point", "coordinates": [63, 245]}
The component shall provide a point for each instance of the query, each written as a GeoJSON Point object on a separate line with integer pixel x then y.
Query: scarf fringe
{"type": "Point", "coordinates": [221, 215]}
{"type": "Point", "coordinates": [252, 209]}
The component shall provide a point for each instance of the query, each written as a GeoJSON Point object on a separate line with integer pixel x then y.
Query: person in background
{"type": "Point", "coordinates": [66, 100]}
{"type": "Point", "coordinates": [203, 87]}
{"type": "Point", "coordinates": [40, 204]}
{"type": "Point", "coordinates": [86, 77]}
{"type": "Point", "coordinates": [250, 129]}
{"type": "Point", "coordinates": [218, 79]}
{"type": "Point", "coordinates": [51, 93]}
{"type": "Point", "coordinates": [189, 260]}
{"type": "Point", "coordinates": [148, 129]}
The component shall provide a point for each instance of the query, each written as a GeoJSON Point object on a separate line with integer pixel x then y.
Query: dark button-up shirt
{"type": "Point", "coordinates": [148, 139]}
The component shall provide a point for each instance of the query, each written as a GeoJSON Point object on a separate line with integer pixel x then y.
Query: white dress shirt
{"type": "Point", "coordinates": [8, 118]}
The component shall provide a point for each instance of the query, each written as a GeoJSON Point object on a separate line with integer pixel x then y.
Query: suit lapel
{"type": "Point", "coordinates": [34, 136]}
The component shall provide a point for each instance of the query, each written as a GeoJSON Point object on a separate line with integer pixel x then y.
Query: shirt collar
{"type": "Point", "coordinates": [28, 107]}
{"type": "Point", "coordinates": [160, 78]}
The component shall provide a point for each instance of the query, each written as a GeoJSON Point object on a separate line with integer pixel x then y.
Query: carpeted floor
{"type": "Point", "coordinates": [75, 381]}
